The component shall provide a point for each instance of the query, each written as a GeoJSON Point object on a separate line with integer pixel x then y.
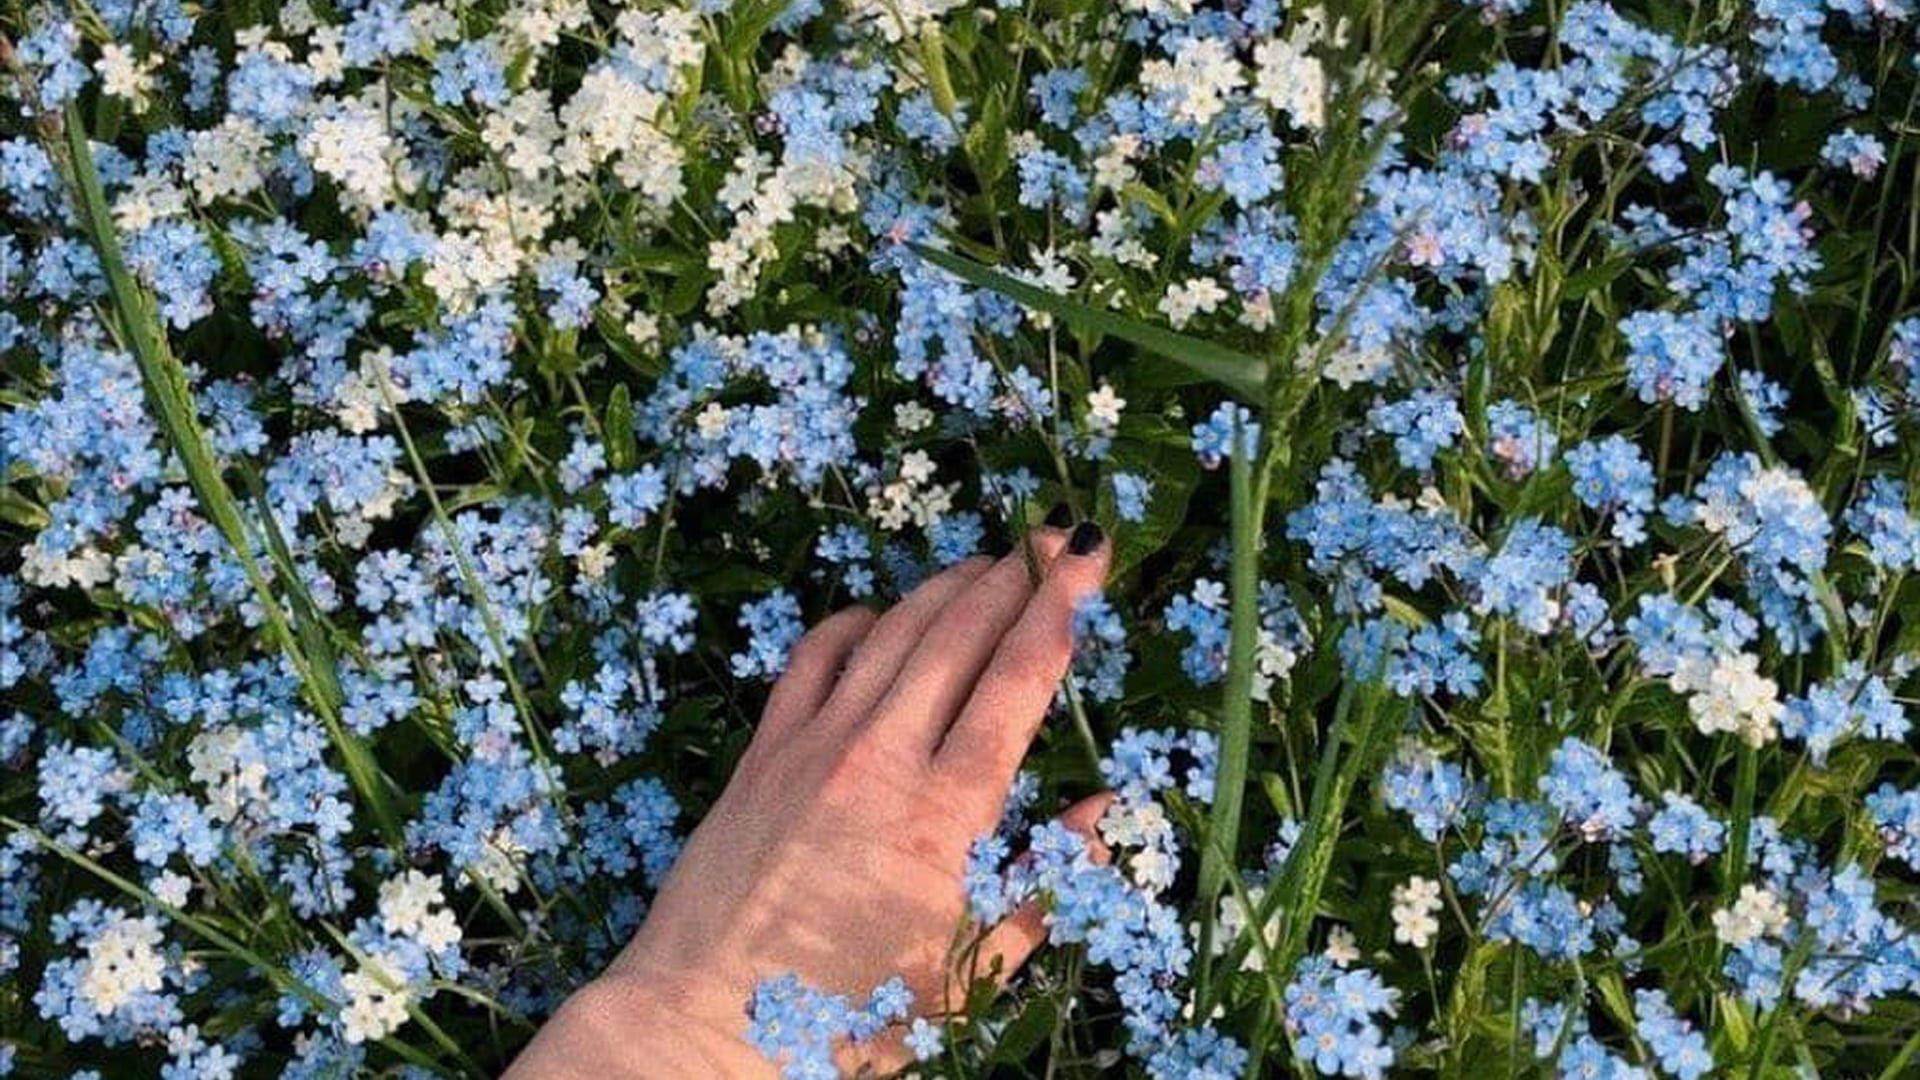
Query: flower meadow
{"type": "Point", "coordinates": [428, 426]}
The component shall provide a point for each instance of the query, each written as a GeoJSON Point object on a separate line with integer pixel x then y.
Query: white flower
{"type": "Point", "coordinates": [1198, 80]}
{"type": "Point", "coordinates": [406, 900]}
{"type": "Point", "coordinates": [498, 863]}
{"type": "Point", "coordinates": [644, 328]}
{"type": "Point", "coordinates": [912, 498]}
{"type": "Point", "coordinates": [1414, 906]}
{"type": "Point", "coordinates": [539, 23]}
{"type": "Point", "coordinates": [594, 561]}
{"type": "Point", "coordinates": [324, 57]}
{"type": "Point", "coordinates": [126, 76]}
{"type": "Point", "coordinates": [1114, 169]}
{"type": "Point", "coordinates": [224, 162]}
{"type": "Point", "coordinates": [148, 199]}
{"type": "Point", "coordinates": [1236, 917]}
{"type": "Point", "coordinates": [1757, 913]}
{"type": "Point", "coordinates": [1113, 238]}
{"type": "Point", "coordinates": [1153, 868]}
{"type": "Point", "coordinates": [916, 466]}
{"type": "Point", "coordinates": [1104, 406]}
{"type": "Point", "coordinates": [1729, 695]}
{"type": "Point", "coordinates": [85, 567]}
{"type": "Point", "coordinates": [1196, 295]}
{"type": "Point", "coordinates": [523, 133]}
{"type": "Point", "coordinates": [1274, 659]}
{"type": "Point", "coordinates": [351, 145]}
{"type": "Point", "coordinates": [1289, 80]}
{"type": "Point", "coordinates": [171, 888]}
{"type": "Point", "coordinates": [896, 20]}
{"type": "Point", "coordinates": [227, 760]}
{"type": "Point", "coordinates": [1341, 947]}
{"type": "Point", "coordinates": [711, 421]}
{"type": "Point", "coordinates": [911, 417]}
{"type": "Point", "coordinates": [432, 22]}
{"type": "Point", "coordinates": [296, 17]}
{"type": "Point", "coordinates": [123, 960]}
{"type": "Point", "coordinates": [1051, 273]}
{"type": "Point", "coordinates": [376, 1001]}
{"type": "Point", "coordinates": [1351, 365]}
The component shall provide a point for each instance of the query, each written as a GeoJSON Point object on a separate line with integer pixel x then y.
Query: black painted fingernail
{"type": "Point", "coordinates": [1086, 536]}
{"type": "Point", "coordinates": [1060, 516]}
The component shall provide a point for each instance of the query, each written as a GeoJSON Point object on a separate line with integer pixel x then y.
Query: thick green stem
{"type": "Point", "coordinates": [1236, 713]}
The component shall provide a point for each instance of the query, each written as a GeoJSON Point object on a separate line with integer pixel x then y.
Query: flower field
{"type": "Point", "coordinates": [426, 428]}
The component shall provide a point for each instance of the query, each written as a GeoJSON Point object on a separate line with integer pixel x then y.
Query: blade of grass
{"type": "Point", "coordinates": [1236, 714]}
{"type": "Point", "coordinates": [1373, 716]}
{"type": "Point", "coordinates": [171, 397]}
{"type": "Point", "coordinates": [1241, 373]}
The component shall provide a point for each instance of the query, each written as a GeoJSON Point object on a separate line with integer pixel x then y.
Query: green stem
{"type": "Point", "coordinates": [1898, 1066]}
{"type": "Point", "coordinates": [1236, 713]}
{"type": "Point", "coordinates": [1745, 786]}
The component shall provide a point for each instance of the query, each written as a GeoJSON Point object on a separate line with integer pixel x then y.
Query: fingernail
{"type": "Point", "coordinates": [1060, 516]}
{"type": "Point", "coordinates": [1086, 536]}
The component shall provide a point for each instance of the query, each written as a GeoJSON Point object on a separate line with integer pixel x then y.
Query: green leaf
{"type": "Point", "coordinates": [1238, 372]}
{"type": "Point", "coordinates": [621, 450]}
{"type": "Point", "coordinates": [1174, 473]}
{"type": "Point", "coordinates": [1596, 277]}
{"type": "Point", "coordinates": [1025, 1034]}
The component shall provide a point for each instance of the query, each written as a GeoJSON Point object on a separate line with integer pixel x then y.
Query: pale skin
{"type": "Point", "coordinates": [838, 849]}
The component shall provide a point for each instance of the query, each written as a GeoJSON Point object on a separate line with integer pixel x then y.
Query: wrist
{"type": "Point", "coordinates": [622, 1026]}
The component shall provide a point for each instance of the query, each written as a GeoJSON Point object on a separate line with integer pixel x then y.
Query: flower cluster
{"type": "Point", "coordinates": [428, 428]}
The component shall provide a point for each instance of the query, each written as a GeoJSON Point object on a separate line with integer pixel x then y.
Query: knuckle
{"type": "Point", "coordinates": [864, 761]}
{"type": "Point", "coordinates": [966, 763]}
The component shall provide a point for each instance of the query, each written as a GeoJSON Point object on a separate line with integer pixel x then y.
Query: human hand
{"type": "Point", "coordinates": [838, 848]}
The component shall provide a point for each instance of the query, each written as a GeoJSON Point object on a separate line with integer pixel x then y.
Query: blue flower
{"type": "Point", "coordinates": [1861, 154]}
{"type": "Point", "coordinates": [48, 53]}
{"type": "Point", "coordinates": [1202, 615]}
{"type": "Point", "coordinates": [1614, 478]}
{"type": "Point", "coordinates": [796, 1026]}
{"type": "Point", "coordinates": [1100, 654]}
{"type": "Point", "coordinates": [1681, 1050]}
{"type": "Point", "coordinates": [1213, 438]}
{"type": "Point", "coordinates": [633, 498]}
{"type": "Point", "coordinates": [1438, 655]}
{"type": "Point", "coordinates": [1131, 493]}
{"type": "Point", "coordinates": [1248, 169]}
{"type": "Point", "coordinates": [1672, 356]}
{"type": "Point", "coordinates": [1423, 424]}
{"type": "Point", "coordinates": [1199, 1054]}
{"type": "Point", "coordinates": [1881, 518]}
{"type": "Point", "coordinates": [1683, 827]}
{"type": "Point", "coordinates": [773, 626]}
{"type": "Point", "coordinates": [1433, 792]}
{"type": "Point", "coordinates": [924, 1040]}
{"type": "Point", "coordinates": [1852, 703]}
{"type": "Point", "coordinates": [1519, 579]}
{"type": "Point", "coordinates": [1592, 796]}
{"type": "Point", "coordinates": [1519, 439]}
{"type": "Point", "coordinates": [1334, 1018]}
